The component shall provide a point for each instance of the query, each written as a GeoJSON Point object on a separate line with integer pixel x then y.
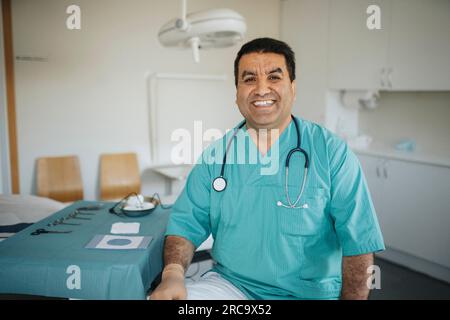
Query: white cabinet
{"type": "Point", "coordinates": [357, 55]}
{"type": "Point", "coordinates": [412, 201]}
{"type": "Point", "coordinates": [419, 51]}
{"type": "Point", "coordinates": [410, 52]}
{"type": "Point", "coordinates": [373, 171]}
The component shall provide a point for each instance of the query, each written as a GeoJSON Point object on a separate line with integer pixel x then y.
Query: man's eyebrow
{"type": "Point", "coordinates": [276, 70]}
{"type": "Point", "coordinates": [248, 73]}
{"type": "Point", "coordinates": [251, 73]}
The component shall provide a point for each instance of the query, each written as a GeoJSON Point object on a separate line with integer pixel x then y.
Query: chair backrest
{"type": "Point", "coordinates": [119, 175]}
{"type": "Point", "coordinates": [59, 178]}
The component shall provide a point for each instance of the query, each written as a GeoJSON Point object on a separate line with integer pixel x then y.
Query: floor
{"type": "Point", "coordinates": [399, 283]}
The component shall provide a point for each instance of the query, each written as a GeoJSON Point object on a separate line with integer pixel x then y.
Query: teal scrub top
{"type": "Point", "coordinates": [272, 252]}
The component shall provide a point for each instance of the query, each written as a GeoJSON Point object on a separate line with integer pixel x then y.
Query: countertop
{"type": "Point", "coordinates": [386, 151]}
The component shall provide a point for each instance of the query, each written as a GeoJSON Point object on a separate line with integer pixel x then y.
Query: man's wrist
{"type": "Point", "coordinates": [173, 269]}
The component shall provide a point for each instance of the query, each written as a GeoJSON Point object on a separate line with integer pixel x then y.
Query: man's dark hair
{"type": "Point", "coordinates": [267, 45]}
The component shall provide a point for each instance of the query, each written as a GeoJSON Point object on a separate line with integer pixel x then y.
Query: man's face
{"type": "Point", "coordinates": [265, 93]}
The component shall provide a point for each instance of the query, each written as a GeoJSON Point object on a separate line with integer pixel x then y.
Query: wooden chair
{"type": "Point", "coordinates": [59, 178]}
{"type": "Point", "coordinates": [119, 175]}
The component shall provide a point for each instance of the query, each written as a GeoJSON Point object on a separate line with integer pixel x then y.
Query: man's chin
{"type": "Point", "coordinates": [264, 120]}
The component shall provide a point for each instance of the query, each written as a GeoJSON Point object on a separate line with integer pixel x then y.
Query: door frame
{"type": "Point", "coordinates": [8, 125]}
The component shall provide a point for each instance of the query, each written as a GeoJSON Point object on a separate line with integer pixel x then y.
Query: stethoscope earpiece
{"type": "Point", "coordinates": [303, 206]}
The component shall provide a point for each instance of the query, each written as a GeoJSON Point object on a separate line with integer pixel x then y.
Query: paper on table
{"type": "Point", "coordinates": [119, 242]}
{"type": "Point", "coordinates": [125, 227]}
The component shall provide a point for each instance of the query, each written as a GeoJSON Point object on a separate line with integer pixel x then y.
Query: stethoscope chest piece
{"type": "Point", "coordinates": [219, 184]}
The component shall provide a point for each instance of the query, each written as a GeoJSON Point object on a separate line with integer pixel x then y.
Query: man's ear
{"type": "Point", "coordinates": [294, 89]}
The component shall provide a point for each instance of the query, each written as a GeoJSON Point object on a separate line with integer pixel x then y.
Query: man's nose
{"type": "Point", "coordinates": [262, 88]}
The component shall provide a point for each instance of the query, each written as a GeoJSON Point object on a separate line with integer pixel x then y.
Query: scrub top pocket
{"type": "Point", "coordinates": [304, 221]}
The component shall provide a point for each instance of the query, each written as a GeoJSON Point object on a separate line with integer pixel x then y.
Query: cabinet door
{"type": "Point", "coordinates": [417, 206]}
{"type": "Point", "coordinates": [357, 55]}
{"type": "Point", "coordinates": [419, 52]}
{"type": "Point", "coordinates": [372, 167]}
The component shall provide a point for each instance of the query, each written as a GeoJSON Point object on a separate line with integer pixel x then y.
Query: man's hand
{"type": "Point", "coordinates": [355, 276]}
{"type": "Point", "coordinates": [172, 284]}
{"type": "Point", "coordinates": [178, 253]}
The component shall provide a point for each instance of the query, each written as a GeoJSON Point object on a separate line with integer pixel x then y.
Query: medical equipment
{"type": "Point", "coordinates": [133, 205]}
{"type": "Point", "coordinates": [94, 207]}
{"type": "Point", "coordinates": [139, 206]}
{"type": "Point", "coordinates": [84, 213]}
{"type": "Point", "coordinates": [217, 28]}
{"type": "Point", "coordinates": [41, 231]}
{"type": "Point", "coordinates": [61, 221]}
{"type": "Point", "coordinates": [24, 255]}
{"type": "Point", "coordinates": [74, 215]}
{"type": "Point", "coordinates": [220, 183]}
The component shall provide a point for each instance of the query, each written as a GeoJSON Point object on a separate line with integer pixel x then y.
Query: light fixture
{"type": "Point", "coordinates": [216, 28]}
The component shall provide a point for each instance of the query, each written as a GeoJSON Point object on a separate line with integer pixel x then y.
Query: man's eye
{"type": "Point", "coordinates": [248, 80]}
{"type": "Point", "coordinates": [272, 77]}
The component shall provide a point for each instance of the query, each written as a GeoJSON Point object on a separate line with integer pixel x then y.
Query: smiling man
{"type": "Point", "coordinates": [307, 231]}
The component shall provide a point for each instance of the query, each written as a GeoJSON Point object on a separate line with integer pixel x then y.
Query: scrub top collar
{"type": "Point", "coordinates": [286, 140]}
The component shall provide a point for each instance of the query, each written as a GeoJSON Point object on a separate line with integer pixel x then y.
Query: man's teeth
{"type": "Point", "coordinates": [263, 103]}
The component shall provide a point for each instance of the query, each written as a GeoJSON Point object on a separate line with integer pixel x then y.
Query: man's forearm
{"type": "Point", "coordinates": [355, 276]}
{"type": "Point", "coordinates": [178, 250]}
{"type": "Point", "coordinates": [178, 254]}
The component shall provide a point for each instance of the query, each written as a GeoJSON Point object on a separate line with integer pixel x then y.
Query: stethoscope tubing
{"type": "Point", "coordinates": [298, 148]}
{"type": "Point", "coordinates": [222, 170]}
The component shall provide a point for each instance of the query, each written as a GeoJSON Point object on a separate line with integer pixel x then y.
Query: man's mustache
{"type": "Point", "coordinates": [265, 97]}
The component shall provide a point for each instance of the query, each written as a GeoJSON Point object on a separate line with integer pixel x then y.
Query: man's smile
{"type": "Point", "coordinates": [263, 103]}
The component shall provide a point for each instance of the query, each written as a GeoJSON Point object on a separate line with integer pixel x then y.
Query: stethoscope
{"type": "Point", "coordinates": [220, 183]}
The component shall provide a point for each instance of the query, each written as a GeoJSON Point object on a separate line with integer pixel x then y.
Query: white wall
{"type": "Point", "coordinates": [422, 116]}
{"type": "Point", "coordinates": [90, 96]}
{"type": "Point", "coordinates": [304, 26]}
{"type": "Point", "coordinates": [4, 167]}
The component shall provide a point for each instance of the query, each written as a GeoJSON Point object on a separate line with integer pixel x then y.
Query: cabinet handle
{"type": "Point", "coordinates": [389, 78]}
{"type": "Point", "coordinates": [383, 72]}
{"type": "Point", "coordinates": [385, 172]}
{"type": "Point", "coordinates": [378, 172]}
